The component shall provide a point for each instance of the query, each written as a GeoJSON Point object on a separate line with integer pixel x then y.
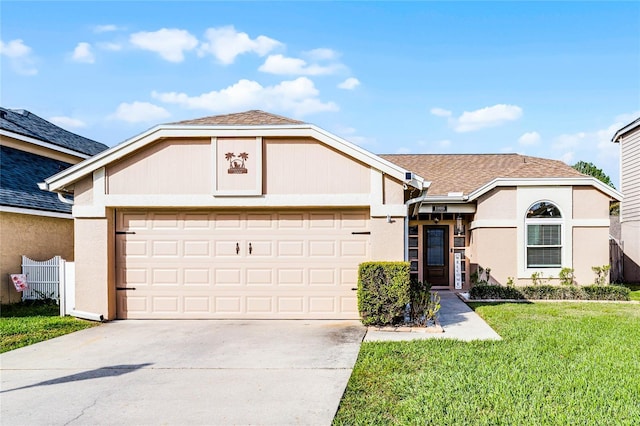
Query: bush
{"type": "Point", "coordinates": [550, 292]}
{"type": "Point", "coordinates": [384, 289]}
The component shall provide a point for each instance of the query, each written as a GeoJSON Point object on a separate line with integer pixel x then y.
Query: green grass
{"type": "Point", "coordinates": [24, 324]}
{"type": "Point", "coordinates": [635, 291]}
{"type": "Point", "coordinates": [559, 363]}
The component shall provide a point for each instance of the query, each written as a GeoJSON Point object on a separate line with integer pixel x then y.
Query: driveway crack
{"type": "Point", "coordinates": [95, 401]}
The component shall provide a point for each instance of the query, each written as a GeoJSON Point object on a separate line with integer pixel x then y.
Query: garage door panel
{"type": "Point", "coordinates": [185, 265]}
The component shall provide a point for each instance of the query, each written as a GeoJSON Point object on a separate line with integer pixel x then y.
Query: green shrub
{"type": "Point", "coordinates": [551, 292]}
{"type": "Point", "coordinates": [567, 276]}
{"type": "Point", "coordinates": [384, 289]}
{"type": "Point", "coordinates": [602, 274]}
{"type": "Point", "coordinates": [606, 292]}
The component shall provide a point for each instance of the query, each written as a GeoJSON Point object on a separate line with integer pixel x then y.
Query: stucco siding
{"type": "Point", "coordinates": [83, 192]}
{"type": "Point", "coordinates": [393, 191]}
{"type": "Point", "coordinates": [174, 166]}
{"type": "Point", "coordinates": [38, 237]}
{"type": "Point", "coordinates": [630, 177]}
{"type": "Point", "coordinates": [589, 203]}
{"type": "Point", "coordinates": [495, 248]}
{"type": "Point", "coordinates": [499, 204]}
{"type": "Point", "coordinates": [95, 266]}
{"type": "Point", "coordinates": [305, 166]}
{"type": "Point", "coordinates": [387, 239]}
{"type": "Point", "coordinates": [590, 248]}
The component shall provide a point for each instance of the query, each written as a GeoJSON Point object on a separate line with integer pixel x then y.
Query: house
{"type": "Point", "coordinates": [629, 139]}
{"type": "Point", "coordinates": [253, 215]}
{"type": "Point", "coordinates": [34, 222]}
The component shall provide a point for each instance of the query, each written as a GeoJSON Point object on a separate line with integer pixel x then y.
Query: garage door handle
{"type": "Point", "coordinates": [237, 248]}
{"type": "Point", "coordinates": [250, 248]}
{"type": "Point", "coordinates": [125, 288]}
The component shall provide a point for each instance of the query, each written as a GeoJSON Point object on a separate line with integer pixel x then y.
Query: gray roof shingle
{"type": "Point", "coordinates": [28, 124]}
{"type": "Point", "coordinates": [20, 172]}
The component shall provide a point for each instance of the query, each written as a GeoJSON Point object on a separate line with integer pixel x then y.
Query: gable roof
{"type": "Point", "coordinates": [468, 172]}
{"type": "Point", "coordinates": [248, 124]}
{"type": "Point", "coordinates": [25, 123]}
{"type": "Point", "coordinates": [21, 172]}
{"type": "Point", "coordinates": [248, 118]}
{"type": "Point", "coordinates": [626, 129]}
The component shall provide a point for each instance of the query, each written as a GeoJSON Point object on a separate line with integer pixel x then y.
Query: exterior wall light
{"type": "Point", "coordinates": [459, 225]}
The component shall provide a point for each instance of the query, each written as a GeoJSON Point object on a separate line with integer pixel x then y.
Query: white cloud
{"type": "Point", "coordinates": [321, 54]}
{"type": "Point", "coordinates": [445, 143]}
{"type": "Point", "coordinates": [349, 133]}
{"type": "Point", "coordinates": [225, 43]}
{"type": "Point", "coordinates": [67, 122]}
{"type": "Point", "coordinates": [106, 28]}
{"type": "Point", "coordinates": [82, 53]}
{"type": "Point", "coordinates": [529, 138]}
{"type": "Point", "coordinates": [137, 112]}
{"type": "Point", "coordinates": [440, 112]}
{"type": "Point", "coordinates": [299, 97]}
{"type": "Point", "coordinates": [169, 43]}
{"type": "Point", "coordinates": [403, 150]}
{"type": "Point", "coordinates": [487, 117]}
{"type": "Point", "coordinates": [114, 47]}
{"type": "Point", "coordinates": [282, 65]}
{"type": "Point", "coordinates": [349, 84]}
{"type": "Point", "coordinates": [20, 56]}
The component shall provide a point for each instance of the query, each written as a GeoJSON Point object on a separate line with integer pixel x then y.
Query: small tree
{"type": "Point", "coordinates": [590, 169]}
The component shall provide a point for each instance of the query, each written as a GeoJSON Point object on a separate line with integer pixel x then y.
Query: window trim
{"type": "Point", "coordinates": [555, 221]}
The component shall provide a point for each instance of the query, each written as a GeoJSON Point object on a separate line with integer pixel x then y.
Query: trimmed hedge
{"type": "Point", "coordinates": [550, 292]}
{"type": "Point", "coordinates": [384, 289]}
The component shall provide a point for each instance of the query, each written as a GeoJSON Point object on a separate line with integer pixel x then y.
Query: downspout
{"type": "Point", "coordinates": [64, 200]}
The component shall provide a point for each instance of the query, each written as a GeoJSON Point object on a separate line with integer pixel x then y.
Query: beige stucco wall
{"type": "Point", "coordinates": [387, 239]}
{"type": "Point", "coordinates": [175, 166]}
{"type": "Point", "coordinates": [590, 248]}
{"type": "Point", "coordinates": [394, 191]}
{"type": "Point", "coordinates": [495, 248]}
{"type": "Point", "coordinates": [499, 204]}
{"type": "Point", "coordinates": [95, 265]}
{"type": "Point", "coordinates": [589, 203]}
{"type": "Point", "coordinates": [38, 237]}
{"type": "Point", "coordinates": [83, 192]}
{"type": "Point", "coordinates": [305, 166]}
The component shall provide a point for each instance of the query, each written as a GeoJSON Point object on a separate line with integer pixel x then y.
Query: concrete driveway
{"type": "Point", "coordinates": [182, 373]}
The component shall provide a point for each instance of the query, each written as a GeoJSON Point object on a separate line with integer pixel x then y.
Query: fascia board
{"type": "Point", "coordinates": [586, 181]}
{"type": "Point", "coordinates": [626, 129]}
{"type": "Point", "coordinates": [43, 144]}
{"type": "Point", "coordinates": [74, 173]}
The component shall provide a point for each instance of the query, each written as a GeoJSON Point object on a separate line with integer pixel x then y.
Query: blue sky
{"type": "Point", "coordinates": [549, 79]}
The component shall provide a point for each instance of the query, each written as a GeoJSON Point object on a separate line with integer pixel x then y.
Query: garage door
{"type": "Point", "coordinates": [239, 264]}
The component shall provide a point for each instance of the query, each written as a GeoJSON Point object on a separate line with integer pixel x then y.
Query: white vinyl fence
{"type": "Point", "coordinates": [50, 279]}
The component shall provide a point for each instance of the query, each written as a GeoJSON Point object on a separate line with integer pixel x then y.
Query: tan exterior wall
{"type": "Point", "coordinates": [499, 204]}
{"type": "Point", "coordinates": [175, 166]}
{"type": "Point", "coordinates": [589, 203]}
{"type": "Point", "coordinates": [305, 166]}
{"type": "Point", "coordinates": [495, 248]}
{"type": "Point", "coordinates": [387, 239]}
{"type": "Point", "coordinates": [631, 239]}
{"type": "Point", "coordinates": [590, 248]}
{"type": "Point", "coordinates": [393, 191]}
{"type": "Point", "coordinates": [38, 237]}
{"type": "Point", "coordinates": [39, 150]}
{"type": "Point", "coordinates": [95, 266]}
{"type": "Point", "coordinates": [83, 192]}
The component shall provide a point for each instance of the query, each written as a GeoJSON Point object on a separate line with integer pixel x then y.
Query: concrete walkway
{"type": "Point", "coordinates": [456, 318]}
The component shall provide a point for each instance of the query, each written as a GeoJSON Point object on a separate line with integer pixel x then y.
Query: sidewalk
{"type": "Point", "coordinates": [456, 318]}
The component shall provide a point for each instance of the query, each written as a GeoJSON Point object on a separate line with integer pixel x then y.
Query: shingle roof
{"type": "Point", "coordinates": [247, 118]}
{"type": "Point", "coordinates": [20, 173]}
{"type": "Point", "coordinates": [468, 172]}
{"type": "Point", "coordinates": [28, 124]}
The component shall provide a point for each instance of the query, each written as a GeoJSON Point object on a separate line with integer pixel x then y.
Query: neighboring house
{"type": "Point", "coordinates": [34, 222]}
{"type": "Point", "coordinates": [629, 139]}
{"type": "Point", "coordinates": [254, 215]}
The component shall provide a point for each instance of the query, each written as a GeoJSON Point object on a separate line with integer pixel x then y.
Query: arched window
{"type": "Point", "coordinates": [544, 236]}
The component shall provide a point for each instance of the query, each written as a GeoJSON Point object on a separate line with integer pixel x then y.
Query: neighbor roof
{"type": "Point", "coordinates": [21, 172]}
{"type": "Point", "coordinates": [248, 118]}
{"type": "Point", "coordinates": [26, 123]}
{"type": "Point", "coordinates": [626, 129]}
{"type": "Point", "coordinates": [468, 172]}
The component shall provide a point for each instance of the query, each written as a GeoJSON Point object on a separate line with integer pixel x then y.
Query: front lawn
{"type": "Point", "coordinates": [26, 323]}
{"type": "Point", "coordinates": [559, 363]}
{"type": "Point", "coordinates": [635, 291]}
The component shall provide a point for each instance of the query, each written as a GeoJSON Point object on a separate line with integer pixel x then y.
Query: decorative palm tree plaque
{"type": "Point", "coordinates": [236, 163]}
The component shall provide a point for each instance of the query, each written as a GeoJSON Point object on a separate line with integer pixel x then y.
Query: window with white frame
{"type": "Point", "coordinates": [544, 236]}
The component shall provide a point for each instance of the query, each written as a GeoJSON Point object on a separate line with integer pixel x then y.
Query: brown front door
{"type": "Point", "coordinates": [436, 257]}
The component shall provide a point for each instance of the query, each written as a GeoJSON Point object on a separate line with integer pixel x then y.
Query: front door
{"type": "Point", "coordinates": [436, 260]}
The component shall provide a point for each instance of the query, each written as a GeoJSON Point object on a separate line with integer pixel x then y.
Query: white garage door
{"type": "Point", "coordinates": [239, 265]}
